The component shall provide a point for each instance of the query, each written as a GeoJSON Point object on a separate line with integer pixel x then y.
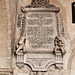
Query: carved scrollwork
{"type": "Point", "coordinates": [59, 45]}
{"type": "Point", "coordinates": [21, 45]}
{"type": "Point", "coordinates": [19, 51]}
{"type": "Point", "coordinates": [59, 51]}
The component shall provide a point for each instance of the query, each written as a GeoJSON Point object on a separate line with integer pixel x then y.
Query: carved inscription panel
{"type": "Point", "coordinates": [39, 61]}
{"type": "Point", "coordinates": [40, 31]}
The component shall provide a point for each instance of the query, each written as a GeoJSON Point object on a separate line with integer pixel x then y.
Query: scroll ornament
{"type": "Point", "coordinates": [19, 51]}
{"type": "Point", "coordinates": [59, 51]}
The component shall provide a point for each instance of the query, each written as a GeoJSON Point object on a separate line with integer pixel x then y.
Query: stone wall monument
{"type": "Point", "coordinates": [40, 44]}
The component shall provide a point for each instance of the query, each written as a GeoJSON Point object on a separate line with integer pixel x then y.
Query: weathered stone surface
{"type": "Point", "coordinates": [5, 58]}
{"type": "Point", "coordinates": [41, 30]}
{"type": "Point", "coordinates": [39, 61]}
{"type": "Point", "coordinates": [3, 29]}
{"type": "Point", "coordinates": [66, 14]}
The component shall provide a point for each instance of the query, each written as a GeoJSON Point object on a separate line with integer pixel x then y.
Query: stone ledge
{"type": "Point", "coordinates": [6, 70]}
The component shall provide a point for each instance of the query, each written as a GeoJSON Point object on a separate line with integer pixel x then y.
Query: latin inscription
{"type": "Point", "coordinates": [40, 30]}
{"type": "Point", "coordinates": [39, 61]}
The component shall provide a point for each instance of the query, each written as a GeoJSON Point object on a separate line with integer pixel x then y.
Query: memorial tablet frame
{"type": "Point", "coordinates": [54, 18]}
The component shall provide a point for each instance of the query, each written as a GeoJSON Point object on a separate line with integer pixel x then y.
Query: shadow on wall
{"type": "Point", "coordinates": [62, 15]}
{"type": "Point", "coordinates": [71, 61]}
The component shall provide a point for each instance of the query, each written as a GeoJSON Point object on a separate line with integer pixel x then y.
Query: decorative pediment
{"type": "Point", "coordinates": [40, 2]}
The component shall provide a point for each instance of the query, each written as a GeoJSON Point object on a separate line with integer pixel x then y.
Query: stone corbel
{"type": "Point", "coordinates": [59, 51]}
{"type": "Point", "coordinates": [20, 59]}
{"type": "Point", "coordinates": [20, 46]}
{"type": "Point", "coordinates": [59, 60]}
{"type": "Point", "coordinates": [20, 51]}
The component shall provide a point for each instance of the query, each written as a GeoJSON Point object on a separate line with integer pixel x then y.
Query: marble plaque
{"type": "Point", "coordinates": [39, 61]}
{"type": "Point", "coordinates": [40, 31]}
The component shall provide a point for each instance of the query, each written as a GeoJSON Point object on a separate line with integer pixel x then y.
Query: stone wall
{"type": "Point", "coordinates": [66, 16]}
{"type": "Point", "coordinates": [4, 51]}
{"type": "Point", "coordinates": [8, 16]}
